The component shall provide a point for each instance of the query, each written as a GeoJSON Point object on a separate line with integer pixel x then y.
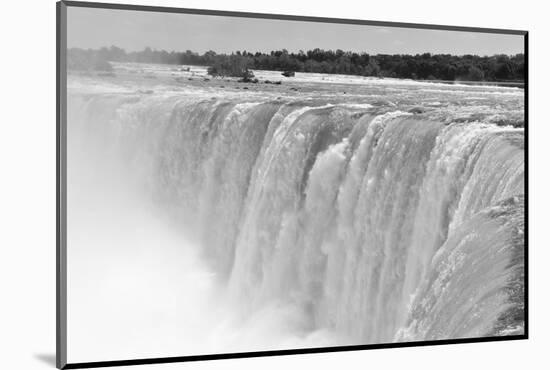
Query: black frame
{"type": "Point", "coordinates": [61, 194]}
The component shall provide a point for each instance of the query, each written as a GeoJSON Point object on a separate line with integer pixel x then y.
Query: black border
{"type": "Point", "coordinates": [61, 182]}
{"type": "Point", "coordinates": [61, 168]}
{"type": "Point", "coordinates": [526, 182]}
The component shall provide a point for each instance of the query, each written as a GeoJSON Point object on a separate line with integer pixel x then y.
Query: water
{"type": "Point", "coordinates": [328, 210]}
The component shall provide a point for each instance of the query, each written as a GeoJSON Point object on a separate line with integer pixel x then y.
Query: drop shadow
{"type": "Point", "coordinates": [47, 358]}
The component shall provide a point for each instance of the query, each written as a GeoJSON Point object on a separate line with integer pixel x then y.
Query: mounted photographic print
{"type": "Point", "coordinates": [238, 184]}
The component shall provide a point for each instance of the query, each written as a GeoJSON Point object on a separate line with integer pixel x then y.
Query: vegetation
{"type": "Point", "coordinates": [421, 66]}
{"type": "Point", "coordinates": [230, 65]}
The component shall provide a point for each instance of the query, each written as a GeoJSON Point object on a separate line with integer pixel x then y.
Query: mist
{"type": "Point", "coordinates": [138, 286]}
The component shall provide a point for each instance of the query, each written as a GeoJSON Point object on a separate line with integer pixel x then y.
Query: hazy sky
{"type": "Point", "coordinates": [134, 30]}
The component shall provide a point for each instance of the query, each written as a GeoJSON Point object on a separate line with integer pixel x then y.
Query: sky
{"type": "Point", "coordinates": [135, 30]}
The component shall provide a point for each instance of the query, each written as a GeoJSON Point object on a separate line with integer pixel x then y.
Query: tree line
{"type": "Point", "coordinates": [425, 66]}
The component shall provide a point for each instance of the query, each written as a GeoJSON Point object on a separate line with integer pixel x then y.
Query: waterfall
{"type": "Point", "coordinates": [379, 224]}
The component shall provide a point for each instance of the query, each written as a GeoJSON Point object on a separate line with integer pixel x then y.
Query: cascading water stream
{"type": "Point", "coordinates": [374, 223]}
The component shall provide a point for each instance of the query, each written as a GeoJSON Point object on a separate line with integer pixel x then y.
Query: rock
{"type": "Point", "coordinates": [417, 110]}
{"type": "Point", "coordinates": [248, 79]}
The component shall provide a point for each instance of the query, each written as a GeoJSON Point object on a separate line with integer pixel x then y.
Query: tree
{"type": "Point", "coordinates": [234, 65]}
{"type": "Point", "coordinates": [420, 66]}
{"type": "Point", "coordinates": [475, 74]}
{"type": "Point", "coordinates": [372, 69]}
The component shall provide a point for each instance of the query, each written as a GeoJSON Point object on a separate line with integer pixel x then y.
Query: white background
{"type": "Point", "coordinates": [27, 193]}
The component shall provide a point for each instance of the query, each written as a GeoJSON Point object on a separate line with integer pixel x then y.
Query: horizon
{"type": "Point", "coordinates": [275, 50]}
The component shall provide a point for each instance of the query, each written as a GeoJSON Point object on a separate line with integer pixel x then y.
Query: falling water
{"type": "Point", "coordinates": [373, 222]}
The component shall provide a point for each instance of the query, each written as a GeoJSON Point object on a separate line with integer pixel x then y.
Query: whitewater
{"type": "Point", "coordinates": [212, 216]}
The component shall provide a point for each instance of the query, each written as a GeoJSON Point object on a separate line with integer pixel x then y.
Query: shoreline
{"type": "Point", "coordinates": [518, 84]}
{"type": "Point", "coordinates": [194, 71]}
